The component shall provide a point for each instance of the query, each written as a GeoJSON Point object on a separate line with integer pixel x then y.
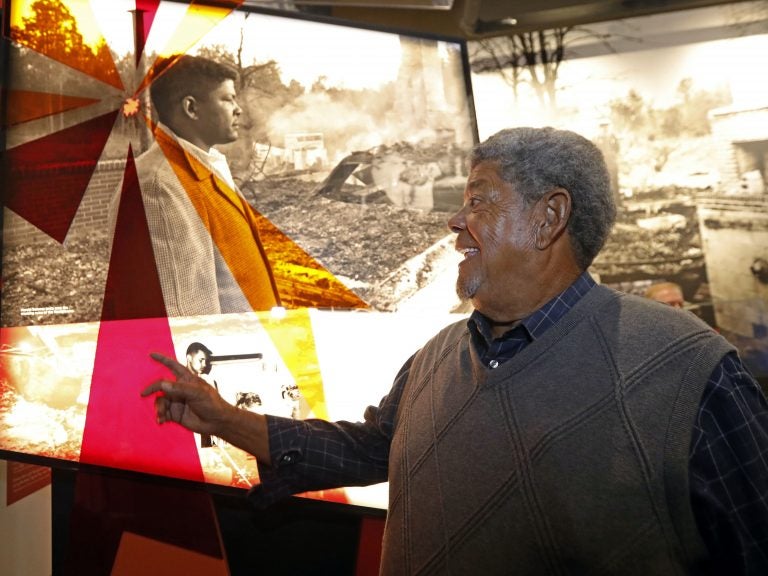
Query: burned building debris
{"type": "Point", "coordinates": [405, 175]}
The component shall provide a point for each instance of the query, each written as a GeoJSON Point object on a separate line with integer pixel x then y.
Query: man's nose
{"type": "Point", "coordinates": [457, 222]}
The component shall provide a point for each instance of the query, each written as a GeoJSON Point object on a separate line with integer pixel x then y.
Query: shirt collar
{"type": "Point", "coordinates": [212, 158]}
{"type": "Point", "coordinates": [534, 325]}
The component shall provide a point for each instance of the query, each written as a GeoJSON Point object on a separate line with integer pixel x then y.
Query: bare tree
{"type": "Point", "coordinates": [528, 56]}
{"type": "Point", "coordinates": [533, 57]}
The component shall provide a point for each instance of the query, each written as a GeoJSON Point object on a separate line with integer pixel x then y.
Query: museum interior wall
{"type": "Point", "coordinates": [352, 154]}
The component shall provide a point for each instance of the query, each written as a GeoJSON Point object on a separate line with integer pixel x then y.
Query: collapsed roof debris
{"type": "Point", "coordinates": [419, 177]}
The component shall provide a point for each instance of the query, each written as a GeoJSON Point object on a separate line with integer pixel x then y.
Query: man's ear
{"type": "Point", "coordinates": [553, 212]}
{"type": "Point", "coordinates": [189, 106]}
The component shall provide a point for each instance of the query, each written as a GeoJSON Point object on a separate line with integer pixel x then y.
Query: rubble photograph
{"type": "Point", "coordinates": [362, 231]}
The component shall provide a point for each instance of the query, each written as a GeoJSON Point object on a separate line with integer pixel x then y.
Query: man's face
{"type": "Point", "coordinates": [218, 115]}
{"type": "Point", "coordinates": [197, 362]}
{"type": "Point", "coordinates": [495, 233]}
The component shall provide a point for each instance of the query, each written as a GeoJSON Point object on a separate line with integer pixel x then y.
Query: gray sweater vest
{"type": "Point", "coordinates": [570, 458]}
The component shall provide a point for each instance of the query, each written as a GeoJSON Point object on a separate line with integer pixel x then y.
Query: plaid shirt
{"type": "Point", "coordinates": [728, 457]}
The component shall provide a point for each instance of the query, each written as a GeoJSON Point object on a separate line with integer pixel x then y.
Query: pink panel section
{"type": "Point", "coordinates": [120, 427]}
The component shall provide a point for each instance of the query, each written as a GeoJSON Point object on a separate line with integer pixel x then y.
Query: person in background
{"type": "Point", "coordinates": [667, 293]}
{"type": "Point", "coordinates": [563, 428]}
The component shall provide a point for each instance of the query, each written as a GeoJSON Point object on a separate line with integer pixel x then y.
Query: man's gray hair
{"type": "Point", "coordinates": [536, 160]}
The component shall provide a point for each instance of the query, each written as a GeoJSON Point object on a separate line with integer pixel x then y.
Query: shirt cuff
{"type": "Point", "coordinates": [286, 448]}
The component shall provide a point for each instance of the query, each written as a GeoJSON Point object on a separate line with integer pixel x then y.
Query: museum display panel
{"type": "Point", "coordinates": [350, 156]}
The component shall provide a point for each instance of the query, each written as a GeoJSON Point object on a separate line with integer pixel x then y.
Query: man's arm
{"type": "Point", "coordinates": [729, 470]}
{"type": "Point", "coordinates": [316, 454]}
{"type": "Point", "coordinates": [293, 455]}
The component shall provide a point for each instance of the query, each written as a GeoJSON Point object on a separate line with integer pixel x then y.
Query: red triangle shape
{"type": "Point", "coordinates": [45, 179]}
{"type": "Point", "coordinates": [145, 16]}
{"type": "Point", "coordinates": [133, 286]}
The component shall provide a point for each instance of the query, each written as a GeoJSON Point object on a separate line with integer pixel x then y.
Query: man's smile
{"type": "Point", "coordinates": [468, 252]}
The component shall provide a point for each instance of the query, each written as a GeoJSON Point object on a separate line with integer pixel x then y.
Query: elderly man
{"type": "Point", "coordinates": [204, 234]}
{"type": "Point", "coordinates": [564, 428]}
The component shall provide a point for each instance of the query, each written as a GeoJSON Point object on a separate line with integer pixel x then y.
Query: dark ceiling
{"type": "Point", "coordinates": [475, 19]}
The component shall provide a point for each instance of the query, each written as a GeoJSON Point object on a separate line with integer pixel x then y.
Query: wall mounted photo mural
{"type": "Point", "coordinates": [679, 105]}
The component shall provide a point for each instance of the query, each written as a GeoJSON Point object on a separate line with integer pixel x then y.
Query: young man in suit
{"type": "Point", "coordinates": [204, 235]}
